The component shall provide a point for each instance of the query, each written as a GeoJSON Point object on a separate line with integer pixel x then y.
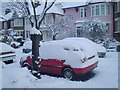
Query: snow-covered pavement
{"type": "Point", "coordinates": [106, 76]}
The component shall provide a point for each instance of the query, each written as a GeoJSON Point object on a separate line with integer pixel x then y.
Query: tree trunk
{"type": "Point", "coordinates": [54, 37]}
{"type": "Point", "coordinates": [35, 54]}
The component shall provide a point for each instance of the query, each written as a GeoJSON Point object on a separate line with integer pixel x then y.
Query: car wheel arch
{"type": "Point", "coordinates": [68, 67]}
{"type": "Point", "coordinates": [26, 64]}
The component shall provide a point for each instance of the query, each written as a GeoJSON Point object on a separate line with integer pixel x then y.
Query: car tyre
{"type": "Point", "coordinates": [26, 64]}
{"type": "Point", "coordinates": [68, 74]}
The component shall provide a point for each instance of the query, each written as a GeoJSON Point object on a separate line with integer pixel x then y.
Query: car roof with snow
{"type": "Point", "coordinates": [5, 48]}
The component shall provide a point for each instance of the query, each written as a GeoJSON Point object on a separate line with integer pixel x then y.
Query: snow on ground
{"type": "Point", "coordinates": [106, 76]}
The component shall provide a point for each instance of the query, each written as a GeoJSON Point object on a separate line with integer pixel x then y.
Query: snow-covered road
{"type": "Point", "coordinates": [105, 76]}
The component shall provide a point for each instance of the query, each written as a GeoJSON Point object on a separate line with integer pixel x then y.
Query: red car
{"type": "Point", "coordinates": [62, 66]}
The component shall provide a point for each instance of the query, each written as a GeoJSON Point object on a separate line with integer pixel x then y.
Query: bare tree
{"type": "Point", "coordinates": [24, 7]}
{"type": "Point", "coordinates": [60, 28]}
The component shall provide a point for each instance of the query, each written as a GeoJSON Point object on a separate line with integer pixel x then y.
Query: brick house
{"type": "Point", "coordinates": [21, 26]}
{"type": "Point", "coordinates": [85, 11]}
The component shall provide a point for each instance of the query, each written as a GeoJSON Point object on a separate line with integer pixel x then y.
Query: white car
{"type": "Point", "coordinates": [101, 50]}
{"type": "Point", "coordinates": [7, 53]}
{"type": "Point", "coordinates": [27, 46]}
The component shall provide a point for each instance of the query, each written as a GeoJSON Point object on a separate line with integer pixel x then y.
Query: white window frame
{"type": "Point", "coordinates": [100, 12]}
{"type": "Point", "coordinates": [83, 12]}
{"type": "Point", "coordinates": [18, 22]}
{"type": "Point", "coordinates": [103, 9]}
{"type": "Point", "coordinates": [118, 7]}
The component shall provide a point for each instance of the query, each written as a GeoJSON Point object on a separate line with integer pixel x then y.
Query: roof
{"type": "Point", "coordinates": [74, 4]}
{"type": "Point", "coordinates": [6, 17]}
{"type": "Point", "coordinates": [56, 10]}
{"type": "Point", "coordinates": [80, 3]}
{"type": "Point", "coordinates": [53, 9]}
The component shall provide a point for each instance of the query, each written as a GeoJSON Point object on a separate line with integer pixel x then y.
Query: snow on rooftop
{"type": "Point", "coordinates": [73, 4]}
{"type": "Point", "coordinates": [35, 31]}
{"type": "Point", "coordinates": [53, 9]}
{"type": "Point", "coordinates": [6, 17]}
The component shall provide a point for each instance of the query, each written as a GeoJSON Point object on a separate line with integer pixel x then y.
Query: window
{"type": "Point", "coordinates": [116, 26]}
{"type": "Point", "coordinates": [115, 6]}
{"type": "Point", "coordinates": [97, 10]}
{"type": "Point", "coordinates": [102, 9]}
{"type": "Point", "coordinates": [93, 10]}
{"type": "Point", "coordinates": [81, 12]}
{"type": "Point", "coordinates": [70, 17]}
{"type": "Point", "coordinates": [79, 32]}
{"type": "Point", "coordinates": [11, 23]}
{"type": "Point", "coordinates": [107, 9]}
{"type": "Point", "coordinates": [18, 22]}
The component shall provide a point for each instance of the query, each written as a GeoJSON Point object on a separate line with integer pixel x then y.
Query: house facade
{"type": "Point", "coordinates": [103, 11]}
{"type": "Point", "coordinates": [21, 26]}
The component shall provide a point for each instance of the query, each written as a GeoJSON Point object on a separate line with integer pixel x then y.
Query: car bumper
{"type": "Point", "coordinates": [101, 54]}
{"type": "Point", "coordinates": [86, 69]}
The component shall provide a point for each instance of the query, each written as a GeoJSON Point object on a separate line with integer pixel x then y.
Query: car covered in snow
{"type": "Point", "coordinates": [111, 48]}
{"type": "Point", "coordinates": [101, 50]}
{"type": "Point", "coordinates": [18, 41]}
{"type": "Point", "coordinates": [27, 46]}
{"type": "Point", "coordinates": [64, 58]}
{"type": "Point", "coordinates": [7, 53]}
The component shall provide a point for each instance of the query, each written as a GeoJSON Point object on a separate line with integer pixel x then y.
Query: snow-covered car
{"type": "Point", "coordinates": [7, 53]}
{"type": "Point", "coordinates": [15, 44]}
{"type": "Point", "coordinates": [64, 58]}
{"type": "Point", "coordinates": [18, 41]}
{"type": "Point", "coordinates": [27, 46]}
{"type": "Point", "coordinates": [111, 48]}
{"type": "Point", "coordinates": [101, 50]}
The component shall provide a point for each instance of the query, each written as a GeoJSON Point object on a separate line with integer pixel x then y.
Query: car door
{"type": "Point", "coordinates": [52, 66]}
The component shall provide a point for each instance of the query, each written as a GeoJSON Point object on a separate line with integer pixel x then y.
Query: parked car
{"type": "Point", "coordinates": [64, 58]}
{"type": "Point", "coordinates": [18, 41]}
{"type": "Point", "coordinates": [7, 53]}
{"type": "Point", "coordinates": [101, 50]}
{"type": "Point", "coordinates": [27, 46]}
{"type": "Point", "coordinates": [111, 48]}
{"type": "Point", "coordinates": [15, 44]}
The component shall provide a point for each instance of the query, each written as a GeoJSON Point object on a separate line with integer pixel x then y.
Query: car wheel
{"type": "Point", "coordinates": [26, 64]}
{"type": "Point", "coordinates": [68, 74]}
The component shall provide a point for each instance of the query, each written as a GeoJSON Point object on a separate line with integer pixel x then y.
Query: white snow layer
{"type": "Point", "coordinates": [5, 48]}
{"type": "Point", "coordinates": [57, 50]}
{"type": "Point", "coordinates": [35, 31]}
{"type": "Point", "coordinates": [106, 76]}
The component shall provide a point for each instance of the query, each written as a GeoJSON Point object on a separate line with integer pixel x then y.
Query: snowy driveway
{"type": "Point", "coordinates": [106, 76]}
